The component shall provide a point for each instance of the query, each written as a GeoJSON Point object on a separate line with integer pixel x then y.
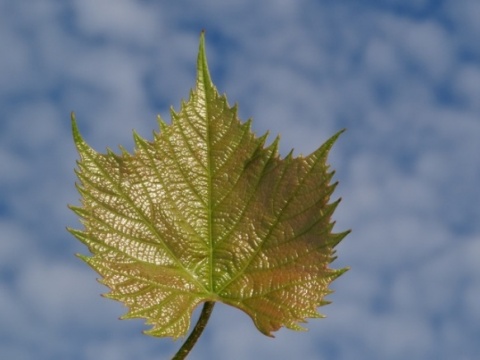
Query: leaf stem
{"type": "Point", "coordinates": [196, 332]}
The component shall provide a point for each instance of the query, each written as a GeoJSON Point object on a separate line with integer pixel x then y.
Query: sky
{"type": "Point", "coordinates": [402, 76]}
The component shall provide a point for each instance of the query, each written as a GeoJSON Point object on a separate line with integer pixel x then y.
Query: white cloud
{"type": "Point", "coordinates": [464, 15]}
{"type": "Point", "coordinates": [15, 59]}
{"type": "Point", "coordinates": [15, 242]}
{"type": "Point", "coordinates": [130, 20]}
{"type": "Point", "coordinates": [467, 86]}
{"type": "Point", "coordinates": [417, 5]}
{"type": "Point", "coordinates": [381, 58]}
{"type": "Point", "coordinates": [429, 46]}
{"type": "Point", "coordinates": [17, 165]}
{"type": "Point", "coordinates": [35, 126]}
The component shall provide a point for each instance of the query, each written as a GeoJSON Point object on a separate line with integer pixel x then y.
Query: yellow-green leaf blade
{"type": "Point", "coordinates": [206, 212]}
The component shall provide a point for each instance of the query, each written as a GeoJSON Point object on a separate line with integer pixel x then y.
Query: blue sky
{"type": "Point", "coordinates": [402, 76]}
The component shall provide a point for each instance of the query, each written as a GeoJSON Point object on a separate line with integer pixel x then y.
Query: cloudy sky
{"type": "Point", "coordinates": [403, 76]}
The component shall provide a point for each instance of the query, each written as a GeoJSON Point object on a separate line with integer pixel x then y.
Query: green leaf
{"type": "Point", "coordinates": [207, 212]}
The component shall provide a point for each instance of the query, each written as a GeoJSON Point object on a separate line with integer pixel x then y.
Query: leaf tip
{"type": "Point", "coordinates": [75, 131]}
{"type": "Point", "coordinates": [77, 137]}
{"type": "Point", "coordinates": [324, 149]}
{"type": "Point", "coordinates": [161, 123]}
{"type": "Point", "coordinates": [139, 141]}
{"type": "Point", "coordinates": [83, 257]}
{"type": "Point", "coordinates": [203, 76]}
{"type": "Point", "coordinates": [340, 272]}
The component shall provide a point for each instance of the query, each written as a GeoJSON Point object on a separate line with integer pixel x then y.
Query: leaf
{"type": "Point", "coordinates": [207, 212]}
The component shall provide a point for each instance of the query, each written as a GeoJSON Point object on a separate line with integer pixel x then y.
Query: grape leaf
{"type": "Point", "coordinates": [207, 212]}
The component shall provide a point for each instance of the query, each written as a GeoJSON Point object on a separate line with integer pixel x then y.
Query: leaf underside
{"type": "Point", "coordinates": [207, 212]}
